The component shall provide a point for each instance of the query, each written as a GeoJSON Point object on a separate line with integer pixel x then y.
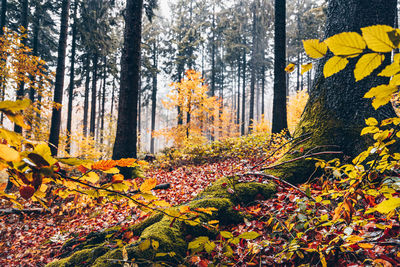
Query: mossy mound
{"type": "Point", "coordinates": [170, 236]}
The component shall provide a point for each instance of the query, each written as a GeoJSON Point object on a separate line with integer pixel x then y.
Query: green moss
{"type": "Point", "coordinates": [171, 237]}
{"type": "Point", "coordinates": [82, 258]}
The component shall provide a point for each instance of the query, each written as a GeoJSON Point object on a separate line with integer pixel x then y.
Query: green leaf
{"type": "Point", "coordinates": [346, 44]}
{"type": "Point", "coordinates": [334, 65]}
{"type": "Point", "coordinates": [198, 242]}
{"type": "Point", "coordinates": [145, 245]}
{"type": "Point", "coordinates": [209, 246]}
{"type": "Point", "coordinates": [249, 235]}
{"type": "Point", "coordinates": [367, 64]}
{"type": "Point", "coordinates": [226, 234]}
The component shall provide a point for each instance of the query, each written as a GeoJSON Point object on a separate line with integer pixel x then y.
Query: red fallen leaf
{"type": "Point", "coordinates": [82, 239]}
{"type": "Point", "coordinates": [203, 263]}
{"type": "Point", "coordinates": [26, 191]}
{"type": "Point", "coordinates": [224, 185]}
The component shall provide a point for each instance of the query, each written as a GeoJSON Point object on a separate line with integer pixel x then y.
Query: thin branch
{"type": "Point", "coordinates": [302, 157]}
{"type": "Point", "coordinates": [283, 145]}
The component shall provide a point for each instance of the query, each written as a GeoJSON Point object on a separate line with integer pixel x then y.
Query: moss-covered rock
{"type": "Point", "coordinates": [167, 235]}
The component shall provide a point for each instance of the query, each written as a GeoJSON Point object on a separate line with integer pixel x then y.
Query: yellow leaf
{"type": "Point", "coordinates": [346, 44]}
{"type": "Point", "coordinates": [306, 67]}
{"type": "Point", "coordinates": [290, 68]}
{"type": "Point", "coordinates": [314, 48]}
{"type": "Point", "coordinates": [390, 70]}
{"type": "Point", "coordinates": [395, 81]}
{"type": "Point", "coordinates": [323, 260]}
{"type": "Point", "coordinates": [365, 245]}
{"type": "Point", "coordinates": [388, 205]}
{"type": "Point", "coordinates": [370, 129]}
{"type": "Point", "coordinates": [377, 38]}
{"type": "Point", "coordinates": [91, 177]}
{"type": "Point", "coordinates": [148, 184]}
{"type": "Point", "coordinates": [334, 65]}
{"type": "Point", "coordinates": [367, 64]}
{"type": "Point", "coordinates": [371, 122]}
{"type": "Point", "coordinates": [381, 94]}
{"type": "Point", "coordinates": [9, 154]}
{"type": "Point", "coordinates": [354, 239]}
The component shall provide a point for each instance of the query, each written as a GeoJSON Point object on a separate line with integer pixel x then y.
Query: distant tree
{"type": "Point", "coordinates": [72, 77]}
{"type": "Point", "coordinates": [59, 83]}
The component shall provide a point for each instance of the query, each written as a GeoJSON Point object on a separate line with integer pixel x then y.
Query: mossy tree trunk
{"type": "Point", "coordinates": [336, 110]}
{"type": "Point", "coordinates": [172, 236]}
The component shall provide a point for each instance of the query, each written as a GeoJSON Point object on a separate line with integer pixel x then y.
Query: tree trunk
{"type": "Point", "coordinates": [238, 93]}
{"type": "Point", "coordinates": [242, 132]}
{"type": "Point", "coordinates": [253, 67]}
{"type": "Point", "coordinates": [336, 110]}
{"type": "Point", "coordinates": [3, 16]}
{"type": "Point", "coordinates": [154, 96]}
{"type": "Point", "coordinates": [24, 23]}
{"type": "Point", "coordinates": [103, 101]}
{"type": "Point", "coordinates": [71, 81]}
{"type": "Point", "coordinates": [279, 120]}
{"type": "Point", "coordinates": [59, 83]}
{"type": "Point", "coordinates": [86, 98]}
{"type": "Point", "coordinates": [92, 126]}
{"type": "Point", "coordinates": [2, 25]}
{"type": "Point", "coordinates": [126, 137]}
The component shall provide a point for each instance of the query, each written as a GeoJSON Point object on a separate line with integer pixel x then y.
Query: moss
{"type": "Point", "coordinates": [82, 258]}
{"type": "Point", "coordinates": [242, 192]}
{"type": "Point", "coordinates": [171, 237]}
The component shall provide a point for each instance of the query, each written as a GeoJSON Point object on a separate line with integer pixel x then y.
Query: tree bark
{"type": "Point", "coordinates": [59, 83]}
{"type": "Point", "coordinates": [3, 16]}
{"type": "Point", "coordinates": [92, 127]}
{"type": "Point", "coordinates": [253, 67]}
{"type": "Point", "coordinates": [126, 137]}
{"type": "Point", "coordinates": [279, 120]}
{"type": "Point", "coordinates": [71, 81]}
{"type": "Point", "coordinates": [336, 110]}
{"type": "Point", "coordinates": [86, 98]}
{"type": "Point", "coordinates": [242, 130]}
{"type": "Point", "coordinates": [103, 101]}
{"type": "Point", "coordinates": [24, 23]}
{"type": "Point", "coordinates": [154, 96]}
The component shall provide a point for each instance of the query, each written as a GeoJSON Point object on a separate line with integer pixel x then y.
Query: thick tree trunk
{"type": "Point", "coordinates": [126, 137]}
{"type": "Point", "coordinates": [59, 83]}
{"type": "Point", "coordinates": [71, 81]}
{"type": "Point", "coordinates": [172, 236]}
{"type": "Point", "coordinates": [336, 110]}
{"type": "Point", "coordinates": [279, 120]}
{"type": "Point", "coordinates": [92, 127]}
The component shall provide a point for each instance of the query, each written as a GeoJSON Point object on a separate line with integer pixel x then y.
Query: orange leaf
{"type": "Point", "coordinates": [148, 185]}
{"type": "Point", "coordinates": [104, 165]}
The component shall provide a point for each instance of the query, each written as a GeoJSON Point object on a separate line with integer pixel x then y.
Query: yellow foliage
{"type": "Point", "coordinates": [261, 127]}
{"type": "Point", "coordinates": [295, 107]}
{"type": "Point", "coordinates": [377, 38]}
{"type": "Point", "coordinates": [334, 65]}
{"type": "Point", "coordinates": [367, 64]}
{"type": "Point", "coordinates": [314, 48]}
{"type": "Point", "coordinates": [346, 44]}
{"type": "Point", "coordinates": [200, 113]}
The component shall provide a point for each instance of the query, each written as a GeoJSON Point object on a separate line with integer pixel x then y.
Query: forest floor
{"type": "Point", "coordinates": [37, 239]}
